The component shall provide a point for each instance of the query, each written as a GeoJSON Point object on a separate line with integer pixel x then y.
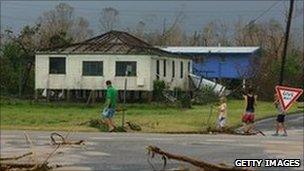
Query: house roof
{"type": "Point", "coordinates": [113, 42]}
{"type": "Point", "coordinates": [204, 49]}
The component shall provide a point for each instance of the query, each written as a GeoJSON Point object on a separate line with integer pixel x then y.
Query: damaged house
{"type": "Point", "coordinates": [80, 70]}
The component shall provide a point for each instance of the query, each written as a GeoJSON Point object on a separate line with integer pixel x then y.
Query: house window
{"type": "Point", "coordinates": [157, 69]}
{"type": "Point", "coordinates": [189, 67]}
{"type": "Point", "coordinates": [92, 68]}
{"type": "Point", "coordinates": [126, 66]}
{"type": "Point", "coordinates": [181, 69]}
{"type": "Point", "coordinates": [57, 65]}
{"type": "Point", "coordinates": [173, 69]}
{"type": "Point", "coordinates": [165, 67]}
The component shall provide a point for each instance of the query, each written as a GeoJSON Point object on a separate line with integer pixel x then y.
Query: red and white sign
{"type": "Point", "coordinates": [287, 95]}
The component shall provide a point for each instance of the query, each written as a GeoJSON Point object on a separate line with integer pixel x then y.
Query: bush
{"type": "Point", "coordinates": [185, 100]}
{"type": "Point", "coordinates": [158, 88]}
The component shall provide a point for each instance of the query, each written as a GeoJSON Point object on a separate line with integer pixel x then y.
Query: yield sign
{"type": "Point", "coordinates": [287, 95]}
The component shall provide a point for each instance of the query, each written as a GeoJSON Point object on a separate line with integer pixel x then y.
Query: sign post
{"type": "Point", "coordinates": [288, 95]}
{"type": "Point", "coordinates": [127, 73]}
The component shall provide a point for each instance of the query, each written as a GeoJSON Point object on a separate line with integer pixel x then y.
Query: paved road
{"type": "Point", "coordinates": [126, 151]}
{"type": "Point", "coordinates": [294, 121]}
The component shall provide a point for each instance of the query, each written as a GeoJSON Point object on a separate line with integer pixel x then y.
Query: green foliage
{"type": "Point", "coordinates": [268, 77]}
{"type": "Point", "coordinates": [158, 87]}
{"type": "Point", "coordinates": [293, 71]}
{"type": "Point", "coordinates": [99, 124]}
{"type": "Point", "coordinates": [205, 96]}
{"type": "Point", "coordinates": [60, 39]}
{"type": "Point", "coordinates": [10, 71]}
{"type": "Point", "coordinates": [152, 117]}
{"type": "Point", "coordinates": [235, 85]}
{"type": "Point", "coordinates": [185, 100]}
{"type": "Point", "coordinates": [57, 27]}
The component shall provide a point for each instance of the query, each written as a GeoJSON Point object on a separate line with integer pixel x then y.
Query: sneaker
{"type": "Point", "coordinates": [275, 134]}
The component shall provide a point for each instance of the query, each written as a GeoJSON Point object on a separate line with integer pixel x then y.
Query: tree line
{"type": "Point", "coordinates": [60, 26]}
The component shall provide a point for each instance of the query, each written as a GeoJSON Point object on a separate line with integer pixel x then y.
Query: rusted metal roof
{"type": "Point", "coordinates": [113, 42]}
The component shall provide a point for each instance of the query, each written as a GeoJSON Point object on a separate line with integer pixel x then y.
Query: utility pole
{"type": "Point", "coordinates": [286, 42]}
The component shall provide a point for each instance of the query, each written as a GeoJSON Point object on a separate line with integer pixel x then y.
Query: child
{"type": "Point", "coordinates": [280, 118]}
{"type": "Point", "coordinates": [222, 110]}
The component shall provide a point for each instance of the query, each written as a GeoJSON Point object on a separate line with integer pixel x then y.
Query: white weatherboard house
{"type": "Point", "coordinates": [81, 67]}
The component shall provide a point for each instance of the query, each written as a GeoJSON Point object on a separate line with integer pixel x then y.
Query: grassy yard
{"type": "Point", "coordinates": [18, 114]}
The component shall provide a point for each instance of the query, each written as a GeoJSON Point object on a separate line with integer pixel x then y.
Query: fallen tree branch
{"type": "Point", "coordinates": [198, 163]}
{"type": "Point", "coordinates": [133, 126]}
{"type": "Point", "coordinates": [27, 166]}
{"type": "Point", "coordinates": [8, 163]}
{"type": "Point", "coordinates": [32, 147]}
{"type": "Point", "coordinates": [16, 157]}
{"type": "Point", "coordinates": [63, 140]}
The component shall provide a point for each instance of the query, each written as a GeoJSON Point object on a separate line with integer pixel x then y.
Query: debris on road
{"type": "Point", "coordinates": [63, 140]}
{"type": "Point", "coordinates": [152, 150]}
{"type": "Point", "coordinates": [15, 163]}
{"type": "Point", "coordinates": [25, 166]}
{"type": "Point", "coordinates": [102, 126]}
{"type": "Point", "coordinates": [32, 163]}
{"type": "Point", "coordinates": [133, 126]}
{"type": "Point", "coordinates": [16, 157]}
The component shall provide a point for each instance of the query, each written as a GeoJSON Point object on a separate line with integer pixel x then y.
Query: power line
{"type": "Point", "coordinates": [263, 13]}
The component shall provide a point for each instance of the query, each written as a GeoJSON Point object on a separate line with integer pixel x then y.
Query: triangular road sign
{"type": "Point", "coordinates": [287, 95]}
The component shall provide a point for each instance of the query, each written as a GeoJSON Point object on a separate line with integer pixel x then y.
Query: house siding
{"type": "Point", "coordinates": [73, 79]}
{"type": "Point", "coordinates": [236, 65]}
{"type": "Point", "coordinates": [175, 81]}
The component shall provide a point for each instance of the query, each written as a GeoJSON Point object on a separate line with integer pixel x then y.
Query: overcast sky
{"type": "Point", "coordinates": [16, 14]}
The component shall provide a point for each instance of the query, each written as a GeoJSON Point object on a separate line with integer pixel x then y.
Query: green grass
{"type": "Point", "coordinates": [20, 114]}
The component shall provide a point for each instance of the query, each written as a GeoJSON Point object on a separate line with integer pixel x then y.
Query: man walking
{"type": "Point", "coordinates": [110, 106]}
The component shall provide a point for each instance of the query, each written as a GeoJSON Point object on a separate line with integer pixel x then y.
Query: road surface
{"type": "Point", "coordinates": [126, 151]}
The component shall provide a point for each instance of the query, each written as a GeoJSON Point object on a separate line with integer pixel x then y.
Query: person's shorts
{"type": "Point", "coordinates": [221, 121]}
{"type": "Point", "coordinates": [108, 112]}
{"type": "Point", "coordinates": [248, 117]}
{"type": "Point", "coordinates": [280, 118]}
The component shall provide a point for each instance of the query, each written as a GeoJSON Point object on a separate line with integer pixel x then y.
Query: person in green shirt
{"type": "Point", "coordinates": [110, 106]}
